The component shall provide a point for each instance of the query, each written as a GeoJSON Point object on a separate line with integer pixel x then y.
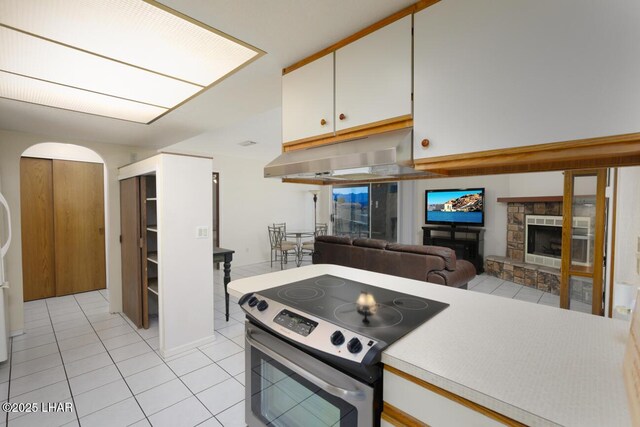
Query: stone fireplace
{"type": "Point", "coordinates": [518, 265]}
{"type": "Point", "coordinates": [534, 243]}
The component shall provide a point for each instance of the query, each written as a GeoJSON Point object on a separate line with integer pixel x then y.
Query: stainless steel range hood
{"type": "Point", "coordinates": [386, 155]}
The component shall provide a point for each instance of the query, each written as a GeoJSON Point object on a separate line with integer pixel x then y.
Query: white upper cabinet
{"type": "Point", "coordinates": [373, 77]}
{"type": "Point", "coordinates": [492, 74]}
{"type": "Point", "coordinates": [307, 100]}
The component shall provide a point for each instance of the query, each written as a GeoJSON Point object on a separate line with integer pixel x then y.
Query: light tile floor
{"type": "Point", "coordinates": [75, 351]}
{"type": "Point", "coordinates": [494, 286]}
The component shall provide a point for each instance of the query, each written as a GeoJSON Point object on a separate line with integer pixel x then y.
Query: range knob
{"type": "Point", "coordinates": [354, 346]}
{"type": "Point", "coordinates": [337, 338]}
{"type": "Point", "coordinates": [262, 305]}
{"type": "Point", "coordinates": [253, 301]}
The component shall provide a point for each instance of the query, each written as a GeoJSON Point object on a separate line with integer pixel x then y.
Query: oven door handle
{"type": "Point", "coordinates": [329, 388]}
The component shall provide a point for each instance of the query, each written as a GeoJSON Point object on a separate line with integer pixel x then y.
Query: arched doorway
{"type": "Point", "coordinates": [62, 197]}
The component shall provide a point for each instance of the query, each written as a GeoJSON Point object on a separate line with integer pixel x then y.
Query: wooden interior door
{"type": "Point", "coordinates": [78, 201]}
{"type": "Point", "coordinates": [584, 216]}
{"type": "Point", "coordinates": [130, 249]}
{"type": "Point", "coordinates": [36, 202]}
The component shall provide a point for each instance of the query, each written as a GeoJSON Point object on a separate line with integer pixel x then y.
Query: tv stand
{"type": "Point", "coordinates": [468, 243]}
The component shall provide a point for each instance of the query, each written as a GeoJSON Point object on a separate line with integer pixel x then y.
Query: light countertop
{"type": "Point", "coordinates": [536, 364]}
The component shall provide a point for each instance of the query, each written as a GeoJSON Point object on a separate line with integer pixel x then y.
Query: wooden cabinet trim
{"type": "Point", "coordinates": [399, 418]}
{"type": "Point", "coordinates": [381, 126]}
{"type": "Point", "coordinates": [297, 142]}
{"type": "Point", "coordinates": [402, 120]}
{"type": "Point", "coordinates": [608, 151]}
{"type": "Point", "coordinates": [416, 7]}
{"type": "Point", "coordinates": [454, 397]}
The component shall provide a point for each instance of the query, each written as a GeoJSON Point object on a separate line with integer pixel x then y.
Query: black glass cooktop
{"type": "Point", "coordinates": [389, 317]}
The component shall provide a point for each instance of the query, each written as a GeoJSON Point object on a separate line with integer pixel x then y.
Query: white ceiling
{"type": "Point", "coordinates": [288, 30]}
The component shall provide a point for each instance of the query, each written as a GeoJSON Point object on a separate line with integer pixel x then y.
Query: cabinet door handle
{"type": "Point", "coordinates": [425, 143]}
{"type": "Point", "coordinates": [323, 122]}
{"type": "Point", "coordinates": [342, 116]}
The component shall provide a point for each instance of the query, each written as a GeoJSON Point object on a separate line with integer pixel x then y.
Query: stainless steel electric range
{"type": "Point", "coordinates": [313, 350]}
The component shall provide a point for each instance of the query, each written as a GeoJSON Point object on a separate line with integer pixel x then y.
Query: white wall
{"type": "Point", "coordinates": [12, 145]}
{"type": "Point", "coordinates": [628, 225]}
{"type": "Point", "coordinates": [249, 203]}
{"type": "Point", "coordinates": [185, 262]}
{"type": "Point", "coordinates": [535, 184]}
{"type": "Point", "coordinates": [55, 150]}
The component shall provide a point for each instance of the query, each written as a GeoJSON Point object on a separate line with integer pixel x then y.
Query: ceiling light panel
{"type": "Point", "coordinates": [41, 59]}
{"type": "Point", "coordinates": [68, 98]}
{"type": "Point", "coordinates": [132, 31]}
{"type": "Point", "coordinates": [140, 58]}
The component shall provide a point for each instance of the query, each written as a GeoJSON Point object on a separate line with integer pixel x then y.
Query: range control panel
{"type": "Point", "coordinates": [295, 322]}
{"type": "Point", "coordinates": [308, 330]}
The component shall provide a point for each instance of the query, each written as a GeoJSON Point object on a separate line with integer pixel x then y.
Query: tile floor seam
{"type": "Point", "coordinates": [40, 388]}
{"type": "Point", "coordinates": [186, 386]}
{"type": "Point", "coordinates": [95, 388]}
{"type": "Point", "coordinates": [64, 368]}
{"type": "Point", "coordinates": [180, 401]}
{"type": "Point", "coordinates": [33, 348]}
{"type": "Point", "coordinates": [124, 345]}
{"type": "Point", "coordinates": [208, 419]}
{"type": "Point", "coordinates": [144, 370]}
{"type": "Point", "coordinates": [228, 407]}
{"type": "Point", "coordinates": [41, 370]}
{"type": "Point", "coordinates": [114, 327]}
{"type": "Point", "coordinates": [155, 386]}
{"type": "Point", "coordinates": [121, 376]}
{"type": "Point", "coordinates": [225, 371]}
{"type": "Point", "coordinates": [23, 414]}
{"type": "Point", "coordinates": [109, 406]}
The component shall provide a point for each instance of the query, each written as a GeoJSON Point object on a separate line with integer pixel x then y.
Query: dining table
{"type": "Point", "coordinates": [299, 234]}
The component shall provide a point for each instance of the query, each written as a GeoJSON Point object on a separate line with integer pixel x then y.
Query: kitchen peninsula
{"type": "Point", "coordinates": [492, 360]}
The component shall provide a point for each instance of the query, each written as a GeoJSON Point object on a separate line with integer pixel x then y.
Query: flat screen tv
{"type": "Point", "coordinates": [463, 206]}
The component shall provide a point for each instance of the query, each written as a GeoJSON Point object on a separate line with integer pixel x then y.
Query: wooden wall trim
{"type": "Point", "coordinates": [598, 256]}
{"type": "Point", "coordinates": [608, 151]}
{"type": "Point", "coordinates": [458, 399]}
{"type": "Point", "coordinates": [387, 125]}
{"type": "Point", "coordinates": [614, 207]}
{"type": "Point", "coordinates": [416, 7]}
{"type": "Point", "coordinates": [399, 418]}
{"type": "Point", "coordinates": [533, 199]}
{"type": "Point", "coordinates": [309, 181]}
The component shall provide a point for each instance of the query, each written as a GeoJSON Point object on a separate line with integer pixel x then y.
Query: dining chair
{"type": "Point", "coordinates": [283, 225]}
{"type": "Point", "coordinates": [279, 246]}
{"type": "Point", "coordinates": [308, 247]}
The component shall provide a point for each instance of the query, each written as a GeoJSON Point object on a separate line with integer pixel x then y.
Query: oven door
{"type": "Point", "coordinates": [286, 387]}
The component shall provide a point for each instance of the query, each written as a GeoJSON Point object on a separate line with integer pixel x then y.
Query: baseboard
{"type": "Point", "coordinates": [16, 333]}
{"type": "Point", "coordinates": [186, 347]}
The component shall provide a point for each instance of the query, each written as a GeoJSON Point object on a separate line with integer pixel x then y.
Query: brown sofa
{"type": "Point", "coordinates": [433, 264]}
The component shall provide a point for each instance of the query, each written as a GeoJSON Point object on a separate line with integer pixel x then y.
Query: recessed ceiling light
{"type": "Point", "coordinates": [127, 59]}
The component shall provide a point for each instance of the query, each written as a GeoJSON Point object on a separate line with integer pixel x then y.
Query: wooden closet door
{"type": "Point", "coordinates": [130, 249]}
{"type": "Point", "coordinates": [78, 201]}
{"type": "Point", "coordinates": [36, 213]}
